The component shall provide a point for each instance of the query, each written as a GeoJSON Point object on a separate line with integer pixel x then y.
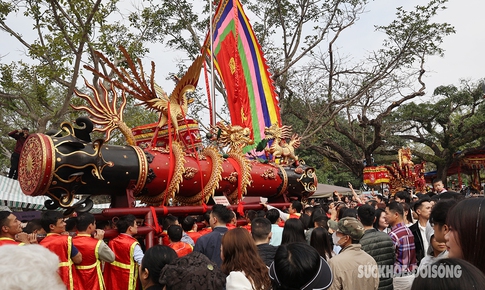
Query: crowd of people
{"type": "Point", "coordinates": [381, 242]}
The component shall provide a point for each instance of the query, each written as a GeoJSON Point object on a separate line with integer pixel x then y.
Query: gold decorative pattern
{"type": "Point", "coordinates": [173, 187]}
{"type": "Point", "coordinates": [37, 159]}
{"type": "Point", "coordinates": [232, 178]}
{"type": "Point", "coordinates": [143, 170]}
{"type": "Point", "coordinates": [236, 137]}
{"type": "Point", "coordinates": [232, 65]}
{"type": "Point", "coordinates": [309, 174]}
{"type": "Point", "coordinates": [280, 148]}
{"type": "Point", "coordinates": [103, 111]}
{"type": "Point", "coordinates": [269, 174]}
{"type": "Point", "coordinates": [161, 150]}
{"type": "Point", "coordinates": [211, 185]}
{"type": "Point", "coordinates": [243, 116]}
{"type": "Point", "coordinates": [246, 180]}
{"type": "Point", "coordinates": [65, 200]}
{"type": "Point", "coordinates": [284, 188]}
{"type": "Point", "coordinates": [97, 168]}
{"type": "Point", "coordinates": [190, 172]}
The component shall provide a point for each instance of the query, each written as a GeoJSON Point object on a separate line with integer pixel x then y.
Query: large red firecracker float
{"type": "Point", "coordinates": [167, 165]}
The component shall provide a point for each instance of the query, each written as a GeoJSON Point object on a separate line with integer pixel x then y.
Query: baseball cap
{"type": "Point", "coordinates": [348, 226]}
{"type": "Point", "coordinates": [322, 279]}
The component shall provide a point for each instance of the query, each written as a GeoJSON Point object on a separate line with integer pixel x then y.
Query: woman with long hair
{"type": "Point", "coordinates": [152, 264]}
{"type": "Point", "coordinates": [380, 223]}
{"type": "Point", "coordinates": [467, 276]}
{"type": "Point", "coordinates": [347, 200]}
{"type": "Point", "coordinates": [466, 235]}
{"type": "Point", "coordinates": [293, 232]}
{"type": "Point", "coordinates": [241, 263]}
{"type": "Point", "coordinates": [320, 240]}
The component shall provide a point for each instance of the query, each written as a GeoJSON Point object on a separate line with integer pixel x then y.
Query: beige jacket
{"type": "Point", "coordinates": [349, 269]}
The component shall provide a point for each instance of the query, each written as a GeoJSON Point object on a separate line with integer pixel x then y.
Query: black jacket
{"type": "Point", "coordinates": [380, 246]}
{"type": "Point", "coordinates": [418, 242]}
{"type": "Point", "coordinates": [267, 252]}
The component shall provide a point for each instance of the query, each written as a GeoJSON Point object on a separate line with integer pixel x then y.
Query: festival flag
{"type": "Point", "coordinates": [251, 94]}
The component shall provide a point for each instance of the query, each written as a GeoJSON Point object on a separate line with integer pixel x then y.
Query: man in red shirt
{"type": "Point", "coordinates": [123, 272]}
{"type": "Point", "coordinates": [233, 223]}
{"type": "Point", "coordinates": [294, 211]}
{"type": "Point", "coordinates": [175, 235]}
{"type": "Point", "coordinates": [207, 228]}
{"type": "Point", "coordinates": [190, 227]}
{"type": "Point", "coordinates": [167, 222]}
{"type": "Point", "coordinates": [11, 231]}
{"type": "Point", "coordinates": [20, 136]}
{"type": "Point", "coordinates": [94, 250]}
{"type": "Point", "coordinates": [61, 245]}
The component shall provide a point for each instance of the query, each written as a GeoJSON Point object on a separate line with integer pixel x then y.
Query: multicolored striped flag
{"type": "Point", "coordinates": [242, 67]}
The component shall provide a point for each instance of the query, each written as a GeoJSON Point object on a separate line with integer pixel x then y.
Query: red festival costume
{"type": "Point", "coordinates": [204, 231]}
{"type": "Point", "coordinates": [247, 227]}
{"type": "Point", "coordinates": [61, 245]}
{"type": "Point", "coordinates": [123, 272]}
{"type": "Point", "coordinates": [181, 248]}
{"type": "Point", "coordinates": [194, 235]}
{"type": "Point", "coordinates": [88, 272]}
{"type": "Point", "coordinates": [9, 241]}
{"type": "Point", "coordinates": [290, 216]}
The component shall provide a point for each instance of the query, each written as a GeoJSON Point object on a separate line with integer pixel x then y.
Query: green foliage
{"type": "Point", "coordinates": [341, 109]}
{"type": "Point", "coordinates": [454, 121]}
{"type": "Point", "coordinates": [176, 23]}
{"type": "Point", "coordinates": [413, 35]}
{"type": "Point", "coordinates": [38, 92]}
{"type": "Point", "coordinates": [7, 7]}
{"type": "Point", "coordinates": [327, 171]}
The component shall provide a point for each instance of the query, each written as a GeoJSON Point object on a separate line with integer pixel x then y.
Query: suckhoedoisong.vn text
{"type": "Point", "coordinates": [428, 271]}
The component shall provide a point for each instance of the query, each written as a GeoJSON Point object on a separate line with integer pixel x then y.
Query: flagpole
{"type": "Point", "coordinates": [213, 90]}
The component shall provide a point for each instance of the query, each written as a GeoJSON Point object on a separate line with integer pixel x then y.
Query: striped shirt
{"type": "Point", "coordinates": [403, 240]}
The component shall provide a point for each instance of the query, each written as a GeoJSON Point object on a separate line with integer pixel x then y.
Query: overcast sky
{"type": "Point", "coordinates": [463, 57]}
{"type": "Point", "coordinates": [463, 50]}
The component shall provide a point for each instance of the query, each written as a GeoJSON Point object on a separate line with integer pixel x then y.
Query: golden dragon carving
{"type": "Point", "coordinates": [103, 110]}
{"type": "Point", "coordinates": [280, 148]}
{"type": "Point", "coordinates": [236, 138]}
{"type": "Point", "coordinates": [173, 107]}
